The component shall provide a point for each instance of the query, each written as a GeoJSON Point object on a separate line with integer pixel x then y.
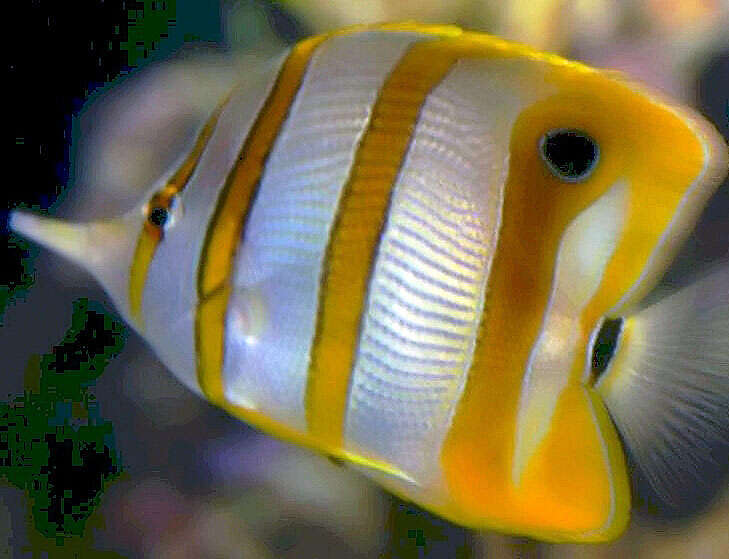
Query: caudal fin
{"type": "Point", "coordinates": [667, 388]}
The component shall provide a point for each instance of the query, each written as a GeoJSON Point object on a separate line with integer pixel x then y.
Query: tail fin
{"type": "Point", "coordinates": [667, 388]}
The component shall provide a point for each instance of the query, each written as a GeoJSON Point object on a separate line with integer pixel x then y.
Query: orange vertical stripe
{"type": "Point", "coordinates": [363, 210]}
{"type": "Point", "coordinates": [151, 234]}
{"type": "Point", "coordinates": [355, 236]}
{"type": "Point", "coordinates": [224, 230]}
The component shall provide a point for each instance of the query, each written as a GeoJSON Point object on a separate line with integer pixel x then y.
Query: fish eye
{"type": "Point", "coordinates": [162, 212]}
{"type": "Point", "coordinates": [571, 155]}
{"type": "Point", "coordinates": [158, 216]}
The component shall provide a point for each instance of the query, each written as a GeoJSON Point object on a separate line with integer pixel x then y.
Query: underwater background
{"type": "Point", "coordinates": [113, 457]}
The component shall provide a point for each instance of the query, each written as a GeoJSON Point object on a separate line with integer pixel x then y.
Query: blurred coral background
{"type": "Point", "coordinates": [200, 484]}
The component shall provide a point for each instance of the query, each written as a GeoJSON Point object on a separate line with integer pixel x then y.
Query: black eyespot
{"type": "Point", "coordinates": [605, 345]}
{"type": "Point", "coordinates": [571, 155]}
{"type": "Point", "coordinates": [158, 216]}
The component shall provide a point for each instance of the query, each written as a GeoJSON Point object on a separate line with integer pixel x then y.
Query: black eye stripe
{"type": "Point", "coordinates": [571, 155]}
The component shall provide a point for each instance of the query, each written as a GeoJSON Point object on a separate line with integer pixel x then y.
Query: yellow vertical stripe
{"type": "Point", "coordinates": [355, 235]}
{"type": "Point", "coordinates": [363, 209]}
{"type": "Point", "coordinates": [224, 229]}
{"type": "Point", "coordinates": [151, 234]}
{"type": "Point", "coordinates": [581, 453]}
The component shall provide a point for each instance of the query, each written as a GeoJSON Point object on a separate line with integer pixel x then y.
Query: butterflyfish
{"type": "Point", "coordinates": [403, 246]}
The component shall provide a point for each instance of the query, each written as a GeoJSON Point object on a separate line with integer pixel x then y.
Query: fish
{"type": "Point", "coordinates": [424, 252]}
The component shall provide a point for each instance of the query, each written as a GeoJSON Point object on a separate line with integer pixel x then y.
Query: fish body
{"type": "Point", "coordinates": [398, 245]}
